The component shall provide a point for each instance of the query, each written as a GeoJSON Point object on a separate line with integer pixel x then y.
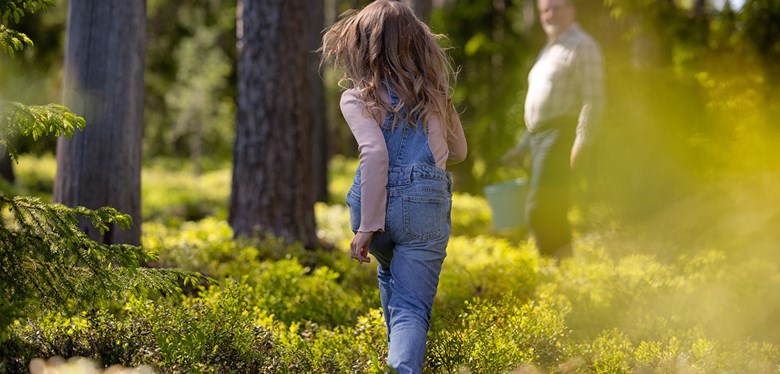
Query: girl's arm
{"type": "Point", "coordinates": [373, 161]}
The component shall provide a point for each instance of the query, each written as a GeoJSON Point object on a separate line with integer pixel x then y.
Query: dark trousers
{"type": "Point", "coordinates": [548, 189]}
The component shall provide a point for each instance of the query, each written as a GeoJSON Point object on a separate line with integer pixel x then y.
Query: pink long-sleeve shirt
{"type": "Point", "coordinates": [448, 147]}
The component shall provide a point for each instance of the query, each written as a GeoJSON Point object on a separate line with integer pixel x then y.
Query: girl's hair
{"type": "Point", "coordinates": [386, 44]}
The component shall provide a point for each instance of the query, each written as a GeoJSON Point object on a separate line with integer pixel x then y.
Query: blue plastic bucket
{"type": "Point", "coordinates": [507, 203]}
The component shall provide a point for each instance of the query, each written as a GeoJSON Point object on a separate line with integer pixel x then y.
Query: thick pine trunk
{"type": "Point", "coordinates": [317, 102]}
{"type": "Point", "coordinates": [104, 83]}
{"type": "Point", "coordinates": [272, 173]}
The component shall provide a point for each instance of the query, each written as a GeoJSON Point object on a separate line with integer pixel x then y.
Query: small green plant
{"type": "Point", "coordinates": [499, 336]}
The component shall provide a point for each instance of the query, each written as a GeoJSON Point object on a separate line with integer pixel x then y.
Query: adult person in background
{"type": "Point", "coordinates": [563, 105]}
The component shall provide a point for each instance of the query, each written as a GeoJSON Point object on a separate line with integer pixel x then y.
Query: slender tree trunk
{"type": "Point", "coordinates": [6, 165]}
{"type": "Point", "coordinates": [104, 83]}
{"type": "Point", "coordinates": [318, 115]}
{"type": "Point", "coordinates": [271, 190]}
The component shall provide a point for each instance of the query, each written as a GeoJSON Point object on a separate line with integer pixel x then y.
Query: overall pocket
{"type": "Point", "coordinates": [353, 202]}
{"type": "Point", "coordinates": [425, 217]}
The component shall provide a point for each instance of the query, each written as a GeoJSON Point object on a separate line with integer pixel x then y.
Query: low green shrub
{"type": "Point", "coordinates": [96, 334]}
{"type": "Point", "coordinates": [485, 267]}
{"type": "Point", "coordinates": [213, 333]}
{"type": "Point", "coordinates": [283, 283]}
{"type": "Point", "coordinates": [176, 195]}
{"type": "Point", "coordinates": [291, 292]}
{"type": "Point", "coordinates": [471, 215]}
{"type": "Point", "coordinates": [610, 352]}
{"type": "Point", "coordinates": [361, 348]}
{"type": "Point", "coordinates": [203, 246]}
{"type": "Point", "coordinates": [645, 298]}
{"type": "Point", "coordinates": [688, 352]}
{"type": "Point", "coordinates": [220, 331]}
{"type": "Point", "coordinates": [496, 336]}
{"type": "Point", "coordinates": [630, 294]}
{"type": "Point", "coordinates": [500, 307]}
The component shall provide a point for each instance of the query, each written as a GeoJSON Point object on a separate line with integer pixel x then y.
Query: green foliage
{"type": "Point", "coordinates": [13, 41]}
{"type": "Point", "coordinates": [201, 246]}
{"type": "Point", "coordinates": [190, 90]}
{"type": "Point", "coordinates": [487, 268]}
{"type": "Point", "coordinates": [498, 336]}
{"type": "Point", "coordinates": [210, 334]}
{"type": "Point", "coordinates": [172, 191]}
{"type": "Point", "coordinates": [47, 261]}
{"type": "Point", "coordinates": [291, 292]}
{"type": "Point", "coordinates": [611, 353]}
{"type": "Point", "coordinates": [280, 308]}
{"type": "Point", "coordinates": [218, 332]}
{"type": "Point", "coordinates": [15, 9]}
{"type": "Point", "coordinates": [499, 308]}
{"type": "Point", "coordinates": [202, 116]}
{"type": "Point", "coordinates": [281, 286]}
{"type": "Point", "coordinates": [36, 121]}
{"type": "Point", "coordinates": [647, 300]}
{"type": "Point", "coordinates": [361, 348]}
{"type": "Point", "coordinates": [470, 215]}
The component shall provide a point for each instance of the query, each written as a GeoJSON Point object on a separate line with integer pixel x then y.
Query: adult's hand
{"type": "Point", "coordinates": [518, 154]}
{"type": "Point", "coordinates": [514, 157]}
{"type": "Point", "coordinates": [358, 248]}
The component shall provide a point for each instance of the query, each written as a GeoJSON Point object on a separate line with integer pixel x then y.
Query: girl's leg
{"type": "Point", "coordinates": [412, 286]}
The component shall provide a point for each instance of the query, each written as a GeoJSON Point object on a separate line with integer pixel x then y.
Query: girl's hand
{"type": "Point", "coordinates": [358, 249]}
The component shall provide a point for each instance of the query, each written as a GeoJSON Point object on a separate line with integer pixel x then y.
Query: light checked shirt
{"type": "Point", "coordinates": [567, 80]}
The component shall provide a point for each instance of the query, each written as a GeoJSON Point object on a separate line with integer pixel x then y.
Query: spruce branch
{"type": "Point", "coordinates": [17, 119]}
{"type": "Point", "coordinates": [45, 257]}
{"type": "Point", "coordinates": [13, 41]}
{"type": "Point", "coordinates": [14, 10]}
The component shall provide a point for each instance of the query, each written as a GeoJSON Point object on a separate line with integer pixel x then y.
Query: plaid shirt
{"type": "Point", "coordinates": [567, 80]}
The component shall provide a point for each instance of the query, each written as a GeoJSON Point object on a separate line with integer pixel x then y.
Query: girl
{"type": "Point", "coordinates": [399, 110]}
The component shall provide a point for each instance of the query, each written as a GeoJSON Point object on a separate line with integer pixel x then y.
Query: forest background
{"type": "Point", "coordinates": [675, 217]}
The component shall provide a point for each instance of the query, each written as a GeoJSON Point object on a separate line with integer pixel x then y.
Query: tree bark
{"type": "Point", "coordinates": [271, 190]}
{"type": "Point", "coordinates": [317, 103]}
{"type": "Point", "coordinates": [6, 165]}
{"type": "Point", "coordinates": [104, 83]}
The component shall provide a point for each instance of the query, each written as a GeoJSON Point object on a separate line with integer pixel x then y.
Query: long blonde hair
{"type": "Point", "coordinates": [386, 44]}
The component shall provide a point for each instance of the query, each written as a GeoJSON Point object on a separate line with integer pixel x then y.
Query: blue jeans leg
{"type": "Point", "coordinates": [412, 286]}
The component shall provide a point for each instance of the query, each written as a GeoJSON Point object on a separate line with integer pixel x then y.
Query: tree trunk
{"type": "Point", "coordinates": [317, 104]}
{"type": "Point", "coordinates": [272, 178]}
{"type": "Point", "coordinates": [104, 83]}
{"type": "Point", "coordinates": [6, 165]}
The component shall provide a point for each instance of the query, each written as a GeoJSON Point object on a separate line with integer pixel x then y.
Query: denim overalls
{"type": "Point", "coordinates": [412, 249]}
